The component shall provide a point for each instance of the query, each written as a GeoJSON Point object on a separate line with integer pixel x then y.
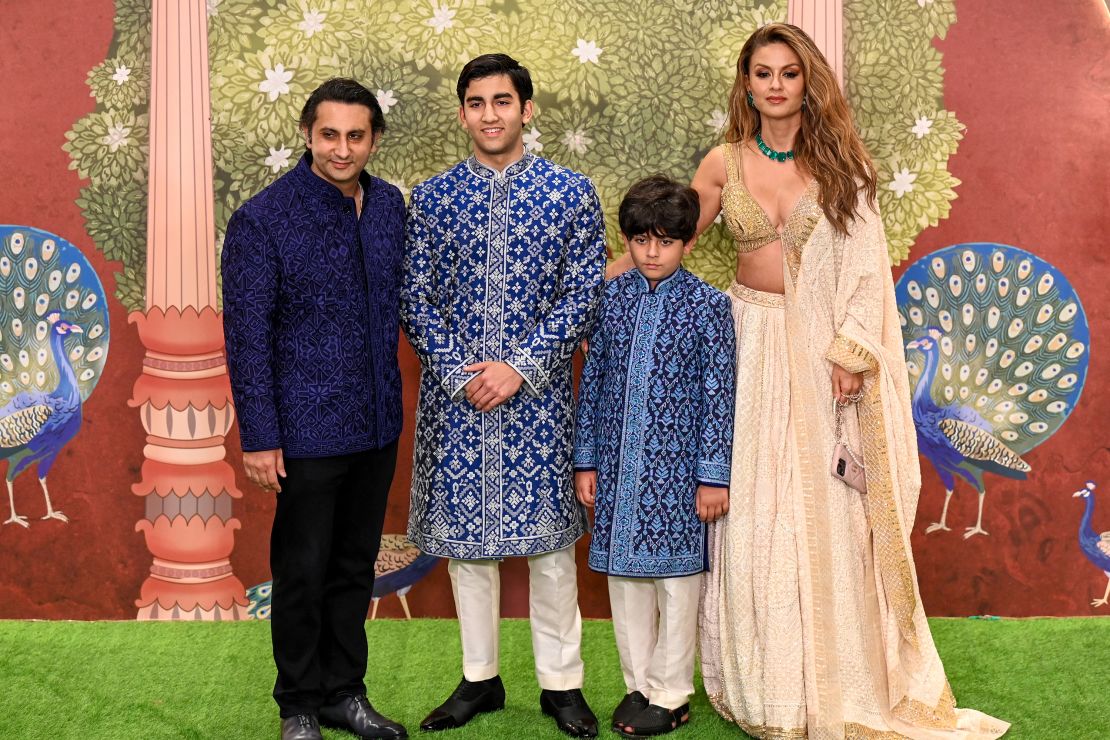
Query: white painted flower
{"type": "Point", "coordinates": [313, 22]}
{"type": "Point", "coordinates": [923, 3]}
{"type": "Point", "coordinates": [577, 141]}
{"type": "Point", "coordinates": [122, 75]}
{"type": "Point", "coordinates": [278, 159]}
{"type": "Point", "coordinates": [211, 7]}
{"type": "Point", "coordinates": [116, 136]}
{"type": "Point", "coordinates": [442, 18]}
{"type": "Point", "coordinates": [587, 51]}
{"type": "Point", "coordinates": [276, 83]}
{"type": "Point", "coordinates": [902, 182]}
{"type": "Point", "coordinates": [532, 140]}
{"type": "Point", "coordinates": [922, 126]}
{"type": "Point", "coordinates": [386, 99]}
{"type": "Point", "coordinates": [718, 119]}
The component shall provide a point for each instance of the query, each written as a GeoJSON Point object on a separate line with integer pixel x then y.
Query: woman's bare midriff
{"type": "Point", "coordinates": [762, 269]}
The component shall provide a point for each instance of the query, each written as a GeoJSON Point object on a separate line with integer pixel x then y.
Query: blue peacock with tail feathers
{"type": "Point", "coordinates": [998, 353]}
{"type": "Point", "coordinates": [1095, 546]}
{"type": "Point", "coordinates": [54, 336]}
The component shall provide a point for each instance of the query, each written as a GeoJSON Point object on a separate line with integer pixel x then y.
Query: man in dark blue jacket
{"type": "Point", "coordinates": [311, 279]}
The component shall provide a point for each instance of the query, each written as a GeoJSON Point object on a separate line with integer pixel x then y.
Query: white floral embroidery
{"type": "Point", "coordinates": [587, 51]}
{"type": "Point", "coordinates": [386, 99]}
{"type": "Point", "coordinates": [122, 75]}
{"type": "Point", "coordinates": [902, 182]}
{"type": "Point", "coordinates": [577, 141]}
{"type": "Point", "coordinates": [442, 18]}
{"type": "Point", "coordinates": [532, 140]}
{"type": "Point", "coordinates": [922, 126]}
{"type": "Point", "coordinates": [276, 83]}
{"type": "Point", "coordinates": [718, 119]}
{"type": "Point", "coordinates": [116, 136]}
{"type": "Point", "coordinates": [313, 22]}
{"type": "Point", "coordinates": [211, 7]}
{"type": "Point", "coordinates": [278, 159]}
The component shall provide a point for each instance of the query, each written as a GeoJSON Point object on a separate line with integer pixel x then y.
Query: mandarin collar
{"type": "Point", "coordinates": [321, 188]}
{"type": "Point", "coordinates": [488, 173]}
{"type": "Point", "coordinates": [641, 284]}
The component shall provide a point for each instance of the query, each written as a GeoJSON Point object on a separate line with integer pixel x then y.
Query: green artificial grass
{"type": "Point", "coordinates": [117, 680]}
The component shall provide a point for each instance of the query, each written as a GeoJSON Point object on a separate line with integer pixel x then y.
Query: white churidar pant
{"type": "Point", "coordinates": [552, 611]}
{"type": "Point", "coordinates": [656, 621]}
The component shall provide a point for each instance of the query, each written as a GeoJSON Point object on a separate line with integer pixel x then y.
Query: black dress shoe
{"type": "Point", "coordinates": [469, 699]}
{"type": "Point", "coordinates": [631, 705]}
{"type": "Point", "coordinates": [355, 713]}
{"type": "Point", "coordinates": [300, 727]}
{"type": "Point", "coordinates": [571, 712]}
{"type": "Point", "coordinates": [655, 720]}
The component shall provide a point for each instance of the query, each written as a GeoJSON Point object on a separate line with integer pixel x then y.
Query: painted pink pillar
{"type": "Point", "coordinates": [823, 20]}
{"type": "Point", "coordinates": [183, 395]}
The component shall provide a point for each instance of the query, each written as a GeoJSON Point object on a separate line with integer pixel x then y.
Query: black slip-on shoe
{"type": "Point", "coordinates": [631, 705]}
{"type": "Point", "coordinates": [655, 720]}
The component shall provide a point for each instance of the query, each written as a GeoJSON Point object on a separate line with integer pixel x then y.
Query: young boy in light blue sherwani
{"type": "Point", "coordinates": [653, 448]}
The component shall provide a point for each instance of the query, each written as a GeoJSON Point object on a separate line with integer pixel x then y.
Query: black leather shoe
{"type": "Point", "coordinates": [300, 727]}
{"type": "Point", "coordinates": [571, 712]}
{"type": "Point", "coordinates": [470, 698]}
{"type": "Point", "coordinates": [655, 720]}
{"type": "Point", "coordinates": [631, 705]}
{"type": "Point", "coordinates": [355, 713]}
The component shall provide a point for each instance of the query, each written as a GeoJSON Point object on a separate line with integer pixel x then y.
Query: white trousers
{"type": "Point", "coordinates": [552, 611]}
{"type": "Point", "coordinates": [656, 622]}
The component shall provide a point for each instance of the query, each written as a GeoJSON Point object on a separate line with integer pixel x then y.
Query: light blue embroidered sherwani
{"type": "Point", "coordinates": [501, 266]}
{"type": "Point", "coordinates": [655, 420]}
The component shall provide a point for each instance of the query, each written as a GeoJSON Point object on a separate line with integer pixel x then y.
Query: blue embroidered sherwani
{"type": "Point", "coordinates": [501, 266]}
{"type": "Point", "coordinates": [655, 420]}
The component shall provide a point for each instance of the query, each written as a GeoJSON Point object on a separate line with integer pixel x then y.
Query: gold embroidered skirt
{"type": "Point", "coordinates": [751, 621]}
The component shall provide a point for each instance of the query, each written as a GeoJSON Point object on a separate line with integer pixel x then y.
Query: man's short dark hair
{"type": "Point", "coordinates": [659, 206]}
{"type": "Point", "coordinates": [492, 65]}
{"type": "Point", "coordinates": [343, 90]}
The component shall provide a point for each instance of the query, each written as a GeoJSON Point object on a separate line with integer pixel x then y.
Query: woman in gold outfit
{"type": "Point", "coordinates": [812, 624]}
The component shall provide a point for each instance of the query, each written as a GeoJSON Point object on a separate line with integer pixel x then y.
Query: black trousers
{"type": "Point", "coordinates": [327, 529]}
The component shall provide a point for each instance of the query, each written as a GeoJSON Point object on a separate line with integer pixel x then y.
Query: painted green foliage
{"type": "Point", "coordinates": [615, 101]}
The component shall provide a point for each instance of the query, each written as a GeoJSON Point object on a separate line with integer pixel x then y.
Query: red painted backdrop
{"type": "Point", "coordinates": [1032, 88]}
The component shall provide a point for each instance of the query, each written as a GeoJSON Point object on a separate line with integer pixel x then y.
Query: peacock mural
{"type": "Point", "coordinates": [998, 352]}
{"type": "Point", "coordinates": [399, 566]}
{"type": "Point", "coordinates": [1095, 546]}
{"type": "Point", "coordinates": [53, 344]}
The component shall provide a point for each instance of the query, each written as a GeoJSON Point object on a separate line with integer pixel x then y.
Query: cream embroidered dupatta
{"type": "Point", "coordinates": [870, 665]}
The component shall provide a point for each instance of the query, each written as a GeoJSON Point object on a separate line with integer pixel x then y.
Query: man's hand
{"type": "Point", "coordinates": [496, 383]}
{"type": "Point", "coordinates": [585, 486]}
{"type": "Point", "coordinates": [845, 384]}
{"type": "Point", "coordinates": [264, 468]}
{"type": "Point", "coordinates": [711, 502]}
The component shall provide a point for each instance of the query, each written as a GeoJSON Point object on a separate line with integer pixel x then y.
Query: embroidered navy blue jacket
{"type": "Point", "coordinates": [311, 304]}
{"type": "Point", "coordinates": [655, 420]}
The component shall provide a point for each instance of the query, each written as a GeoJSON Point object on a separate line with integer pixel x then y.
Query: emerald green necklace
{"type": "Point", "coordinates": [771, 153]}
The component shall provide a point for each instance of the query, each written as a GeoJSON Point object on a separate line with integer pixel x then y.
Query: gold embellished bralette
{"type": "Point", "coordinates": [749, 223]}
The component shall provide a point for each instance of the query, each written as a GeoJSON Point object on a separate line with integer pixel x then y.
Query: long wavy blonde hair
{"type": "Point", "coordinates": [827, 145]}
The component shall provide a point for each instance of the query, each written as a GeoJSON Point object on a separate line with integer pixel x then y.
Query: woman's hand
{"type": "Point", "coordinates": [846, 386]}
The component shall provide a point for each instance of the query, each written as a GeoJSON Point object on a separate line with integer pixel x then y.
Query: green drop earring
{"type": "Point", "coordinates": [751, 100]}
